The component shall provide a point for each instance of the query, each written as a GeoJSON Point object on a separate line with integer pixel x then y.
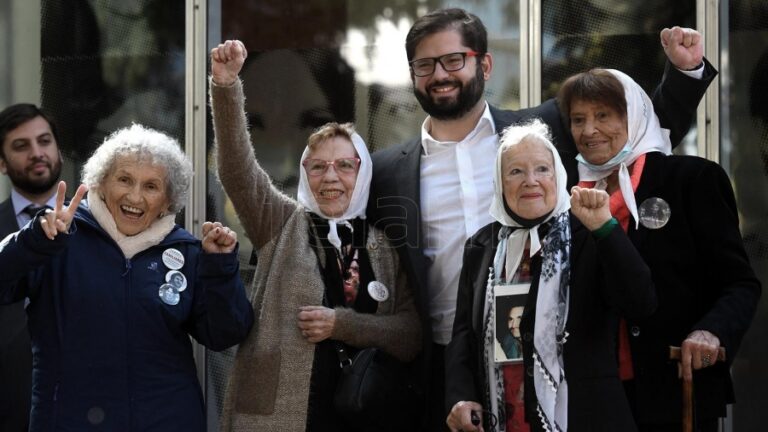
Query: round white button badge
{"type": "Point", "coordinates": [654, 213]}
{"type": "Point", "coordinates": [378, 291]}
{"type": "Point", "coordinates": [169, 295]}
{"type": "Point", "coordinates": [173, 259]}
{"type": "Point", "coordinates": [177, 279]}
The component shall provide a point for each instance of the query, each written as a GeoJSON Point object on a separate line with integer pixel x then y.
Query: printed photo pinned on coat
{"type": "Point", "coordinates": [654, 213]}
{"type": "Point", "coordinates": [169, 295]}
{"type": "Point", "coordinates": [177, 279]}
{"type": "Point", "coordinates": [509, 305]}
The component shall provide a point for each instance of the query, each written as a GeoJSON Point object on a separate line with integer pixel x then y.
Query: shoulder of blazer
{"type": "Point", "coordinates": [387, 156]}
{"type": "Point", "coordinates": [660, 168]}
{"type": "Point", "coordinates": [8, 222]}
{"type": "Point", "coordinates": [389, 160]}
{"type": "Point", "coordinates": [504, 118]}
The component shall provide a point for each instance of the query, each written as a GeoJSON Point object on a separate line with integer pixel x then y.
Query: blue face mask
{"type": "Point", "coordinates": [615, 161]}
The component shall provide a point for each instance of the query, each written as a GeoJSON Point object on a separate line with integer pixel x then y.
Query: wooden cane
{"type": "Point", "coordinates": [675, 353]}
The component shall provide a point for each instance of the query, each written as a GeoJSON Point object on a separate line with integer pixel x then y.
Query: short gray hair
{"type": "Point", "coordinates": [535, 130]}
{"type": "Point", "coordinates": [144, 144]}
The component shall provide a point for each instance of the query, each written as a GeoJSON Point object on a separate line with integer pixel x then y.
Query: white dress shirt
{"type": "Point", "coordinates": [456, 192]}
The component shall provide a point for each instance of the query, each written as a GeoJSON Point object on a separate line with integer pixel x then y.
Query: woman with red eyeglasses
{"type": "Point", "coordinates": [325, 279]}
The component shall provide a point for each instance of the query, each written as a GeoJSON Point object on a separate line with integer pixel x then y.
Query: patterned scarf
{"type": "Point", "coordinates": [553, 292]}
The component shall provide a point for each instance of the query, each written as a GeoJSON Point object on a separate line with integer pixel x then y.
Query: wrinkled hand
{"type": "Point", "coordinates": [590, 206]}
{"type": "Point", "coordinates": [226, 61]}
{"type": "Point", "coordinates": [316, 322]}
{"type": "Point", "coordinates": [460, 417]}
{"type": "Point", "coordinates": [218, 239]}
{"type": "Point", "coordinates": [699, 350]}
{"type": "Point", "coordinates": [60, 218]}
{"type": "Point", "coordinates": [683, 47]}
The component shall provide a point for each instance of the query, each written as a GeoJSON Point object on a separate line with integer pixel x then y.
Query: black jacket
{"type": "Point", "coordinates": [704, 282]}
{"type": "Point", "coordinates": [608, 279]}
{"type": "Point", "coordinates": [15, 349]}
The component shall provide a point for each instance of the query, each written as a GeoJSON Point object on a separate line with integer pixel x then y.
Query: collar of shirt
{"type": "Point", "coordinates": [430, 145]}
{"type": "Point", "coordinates": [20, 203]}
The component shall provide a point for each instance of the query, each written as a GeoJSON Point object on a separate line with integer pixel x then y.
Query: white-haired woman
{"type": "Point", "coordinates": [576, 272]}
{"type": "Point", "coordinates": [110, 333]}
{"type": "Point", "coordinates": [324, 276]}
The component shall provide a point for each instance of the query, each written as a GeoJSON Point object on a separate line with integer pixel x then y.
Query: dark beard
{"type": "Point", "coordinates": [21, 181]}
{"type": "Point", "coordinates": [469, 94]}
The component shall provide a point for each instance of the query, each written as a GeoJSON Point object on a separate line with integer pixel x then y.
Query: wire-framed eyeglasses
{"type": "Point", "coordinates": [450, 62]}
{"type": "Point", "coordinates": [318, 167]}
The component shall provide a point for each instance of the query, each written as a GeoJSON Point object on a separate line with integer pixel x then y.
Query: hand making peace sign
{"type": "Point", "coordinates": [60, 218]}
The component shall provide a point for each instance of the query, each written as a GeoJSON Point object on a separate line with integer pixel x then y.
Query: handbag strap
{"type": "Point", "coordinates": [339, 347]}
{"type": "Point", "coordinates": [344, 361]}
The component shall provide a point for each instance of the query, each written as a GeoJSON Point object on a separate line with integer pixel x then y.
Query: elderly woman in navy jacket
{"type": "Point", "coordinates": [110, 333]}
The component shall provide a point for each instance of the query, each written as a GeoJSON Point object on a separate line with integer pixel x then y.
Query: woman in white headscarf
{"type": "Point", "coordinates": [323, 274]}
{"type": "Point", "coordinates": [680, 214]}
{"type": "Point", "coordinates": [575, 274]}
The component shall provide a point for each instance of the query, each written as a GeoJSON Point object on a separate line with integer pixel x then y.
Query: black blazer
{"type": "Point", "coordinates": [704, 282]}
{"type": "Point", "coordinates": [394, 204]}
{"type": "Point", "coordinates": [15, 349]}
{"type": "Point", "coordinates": [608, 279]}
{"type": "Point", "coordinates": [13, 319]}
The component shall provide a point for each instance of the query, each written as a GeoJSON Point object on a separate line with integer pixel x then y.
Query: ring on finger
{"type": "Point", "coordinates": [706, 360]}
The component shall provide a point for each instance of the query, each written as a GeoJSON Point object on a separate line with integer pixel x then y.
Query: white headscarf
{"type": "Point", "coordinates": [514, 135]}
{"type": "Point", "coordinates": [644, 135]}
{"type": "Point", "coordinates": [358, 201]}
{"type": "Point", "coordinates": [552, 298]}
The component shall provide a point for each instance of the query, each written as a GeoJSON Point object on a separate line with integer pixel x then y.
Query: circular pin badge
{"type": "Point", "coordinates": [169, 295]}
{"type": "Point", "coordinates": [177, 279]}
{"type": "Point", "coordinates": [654, 213]}
{"type": "Point", "coordinates": [173, 259]}
{"type": "Point", "coordinates": [378, 291]}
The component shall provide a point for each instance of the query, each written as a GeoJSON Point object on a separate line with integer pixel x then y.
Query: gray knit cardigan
{"type": "Point", "coordinates": [269, 386]}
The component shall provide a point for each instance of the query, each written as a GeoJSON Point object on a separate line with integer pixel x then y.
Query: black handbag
{"type": "Point", "coordinates": [375, 391]}
{"type": "Point", "coordinates": [374, 387]}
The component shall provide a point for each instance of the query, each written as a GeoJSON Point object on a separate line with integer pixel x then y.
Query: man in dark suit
{"type": "Point", "coordinates": [432, 193]}
{"type": "Point", "coordinates": [30, 157]}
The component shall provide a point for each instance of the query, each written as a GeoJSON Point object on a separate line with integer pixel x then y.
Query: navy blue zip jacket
{"type": "Point", "coordinates": [109, 354]}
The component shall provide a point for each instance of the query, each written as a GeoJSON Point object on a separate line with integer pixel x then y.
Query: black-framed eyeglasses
{"type": "Point", "coordinates": [450, 62]}
{"type": "Point", "coordinates": [318, 167]}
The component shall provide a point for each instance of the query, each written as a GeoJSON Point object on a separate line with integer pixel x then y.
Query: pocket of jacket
{"type": "Point", "coordinates": [257, 377]}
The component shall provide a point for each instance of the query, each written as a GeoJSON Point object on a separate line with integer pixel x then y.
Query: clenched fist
{"type": "Point", "coordinates": [590, 206]}
{"type": "Point", "coordinates": [683, 47]}
{"type": "Point", "coordinates": [226, 61]}
{"type": "Point", "coordinates": [218, 239]}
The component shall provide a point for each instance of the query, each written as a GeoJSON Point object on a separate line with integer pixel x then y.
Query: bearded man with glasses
{"type": "Point", "coordinates": [432, 193]}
